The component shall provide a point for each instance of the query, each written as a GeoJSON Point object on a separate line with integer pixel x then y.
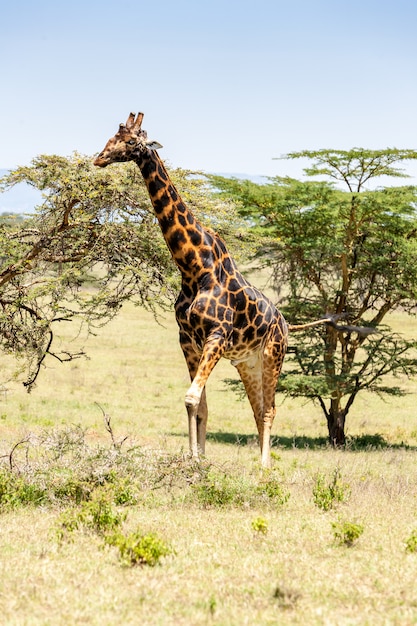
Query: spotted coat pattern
{"type": "Point", "coordinates": [219, 313]}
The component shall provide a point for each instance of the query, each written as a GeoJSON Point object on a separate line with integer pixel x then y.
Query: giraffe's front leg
{"type": "Point", "coordinates": [195, 398]}
{"type": "Point", "coordinates": [196, 405]}
{"type": "Point", "coordinates": [202, 417]}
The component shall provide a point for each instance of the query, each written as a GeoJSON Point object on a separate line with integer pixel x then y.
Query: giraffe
{"type": "Point", "coordinates": [219, 313]}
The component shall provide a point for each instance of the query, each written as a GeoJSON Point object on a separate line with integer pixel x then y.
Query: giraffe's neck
{"type": "Point", "coordinates": [190, 244]}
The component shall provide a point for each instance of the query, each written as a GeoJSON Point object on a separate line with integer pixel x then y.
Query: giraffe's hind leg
{"type": "Point", "coordinates": [250, 373]}
{"type": "Point", "coordinates": [260, 379]}
{"type": "Point", "coordinates": [272, 361]}
{"type": "Point", "coordinates": [270, 374]}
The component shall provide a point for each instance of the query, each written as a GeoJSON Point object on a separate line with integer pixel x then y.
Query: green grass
{"type": "Point", "coordinates": [238, 545]}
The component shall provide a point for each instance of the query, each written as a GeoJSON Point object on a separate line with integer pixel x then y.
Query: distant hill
{"type": "Point", "coordinates": [258, 179]}
{"type": "Point", "coordinates": [21, 199]}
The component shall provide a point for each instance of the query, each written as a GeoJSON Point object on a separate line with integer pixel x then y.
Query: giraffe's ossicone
{"type": "Point", "coordinates": [219, 313]}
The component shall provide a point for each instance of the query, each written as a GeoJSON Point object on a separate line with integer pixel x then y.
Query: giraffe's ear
{"type": "Point", "coordinates": [153, 145]}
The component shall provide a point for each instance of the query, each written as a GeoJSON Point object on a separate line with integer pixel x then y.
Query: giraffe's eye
{"type": "Point", "coordinates": [131, 142]}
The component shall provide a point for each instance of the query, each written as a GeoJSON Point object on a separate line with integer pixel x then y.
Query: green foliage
{"type": "Point", "coordinates": [219, 489]}
{"type": "Point", "coordinates": [346, 247]}
{"type": "Point", "coordinates": [260, 525]}
{"type": "Point", "coordinates": [411, 543]}
{"type": "Point", "coordinates": [346, 533]}
{"type": "Point", "coordinates": [270, 485]}
{"type": "Point", "coordinates": [98, 516]}
{"type": "Point", "coordinates": [124, 493]}
{"type": "Point", "coordinates": [212, 605]}
{"type": "Point", "coordinates": [386, 353]}
{"type": "Point", "coordinates": [58, 467]}
{"type": "Point", "coordinates": [327, 493]}
{"type": "Point", "coordinates": [69, 488]}
{"type": "Point", "coordinates": [357, 166]}
{"type": "Point", "coordinates": [139, 549]}
{"type": "Point", "coordinates": [18, 490]}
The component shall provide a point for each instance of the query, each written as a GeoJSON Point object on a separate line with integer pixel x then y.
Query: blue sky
{"type": "Point", "coordinates": [225, 85]}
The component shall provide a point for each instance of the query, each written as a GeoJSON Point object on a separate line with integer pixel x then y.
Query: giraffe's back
{"type": "Point", "coordinates": [243, 315]}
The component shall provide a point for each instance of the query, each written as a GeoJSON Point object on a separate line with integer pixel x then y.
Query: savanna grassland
{"type": "Point", "coordinates": [113, 525]}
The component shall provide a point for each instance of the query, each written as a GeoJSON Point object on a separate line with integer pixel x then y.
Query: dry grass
{"type": "Point", "coordinates": [223, 572]}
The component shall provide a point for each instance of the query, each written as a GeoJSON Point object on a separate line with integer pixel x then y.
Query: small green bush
{"type": "Point", "coordinates": [346, 533]}
{"type": "Point", "coordinates": [29, 493]}
{"type": "Point", "coordinates": [327, 494]}
{"type": "Point", "coordinates": [139, 549]}
{"type": "Point", "coordinates": [72, 489]}
{"type": "Point", "coordinates": [260, 525]}
{"type": "Point", "coordinates": [219, 490]}
{"type": "Point", "coordinates": [411, 543]}
{"type": "Point", "coordinates": [97, 515]}
{"type": "Point", "coordinates": [270, 485]}
{"type": "Point", "coordinates": [18, 490]}
{"type": "Point", "coordinates": [123, 492]}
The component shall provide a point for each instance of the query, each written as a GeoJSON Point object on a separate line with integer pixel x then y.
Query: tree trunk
{"type": "Point", "coordinates": [336, 425]}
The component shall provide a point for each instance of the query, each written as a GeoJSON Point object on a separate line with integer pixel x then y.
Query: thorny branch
{"type": "Point", "coordinates": [108, 426]}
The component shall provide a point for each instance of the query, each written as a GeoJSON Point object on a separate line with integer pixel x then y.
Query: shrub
{"type": "Point", "coordinates": [139, 549]}
{"type": "Point", "coordinates": [270, 485]}
{"type": "Point", "coordinates": [219, 490]}
{"type": "Point", "coordinates": [97, 515]}
{"type": "Point", "coordinates": [19, 490]}
{"type": "Point", "coordinates": [260, 525]}
{"type": "Point", "coordinates": [411, 543]}
{"type": "Point", "coordinates": [346, 533]}
{"type": "Point", "coordinates": [72, 489]}
{"type": "Point", "coordinates": [327, 494]}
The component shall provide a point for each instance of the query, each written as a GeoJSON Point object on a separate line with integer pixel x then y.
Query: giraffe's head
{"type": "Point", "coordinates": [129, 141]}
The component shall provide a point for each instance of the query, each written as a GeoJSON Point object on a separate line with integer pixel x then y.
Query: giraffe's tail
{"type": "Point", "coordinates": [331, 321]}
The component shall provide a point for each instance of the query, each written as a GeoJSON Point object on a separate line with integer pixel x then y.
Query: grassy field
{"type": "Point", "coordinates": [246, 547]}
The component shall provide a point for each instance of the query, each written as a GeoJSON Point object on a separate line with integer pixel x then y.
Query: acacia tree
{"type": "Point", "coordinates": [336, 246]}
{"type": "Point", "coordinates": [92, 244]}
